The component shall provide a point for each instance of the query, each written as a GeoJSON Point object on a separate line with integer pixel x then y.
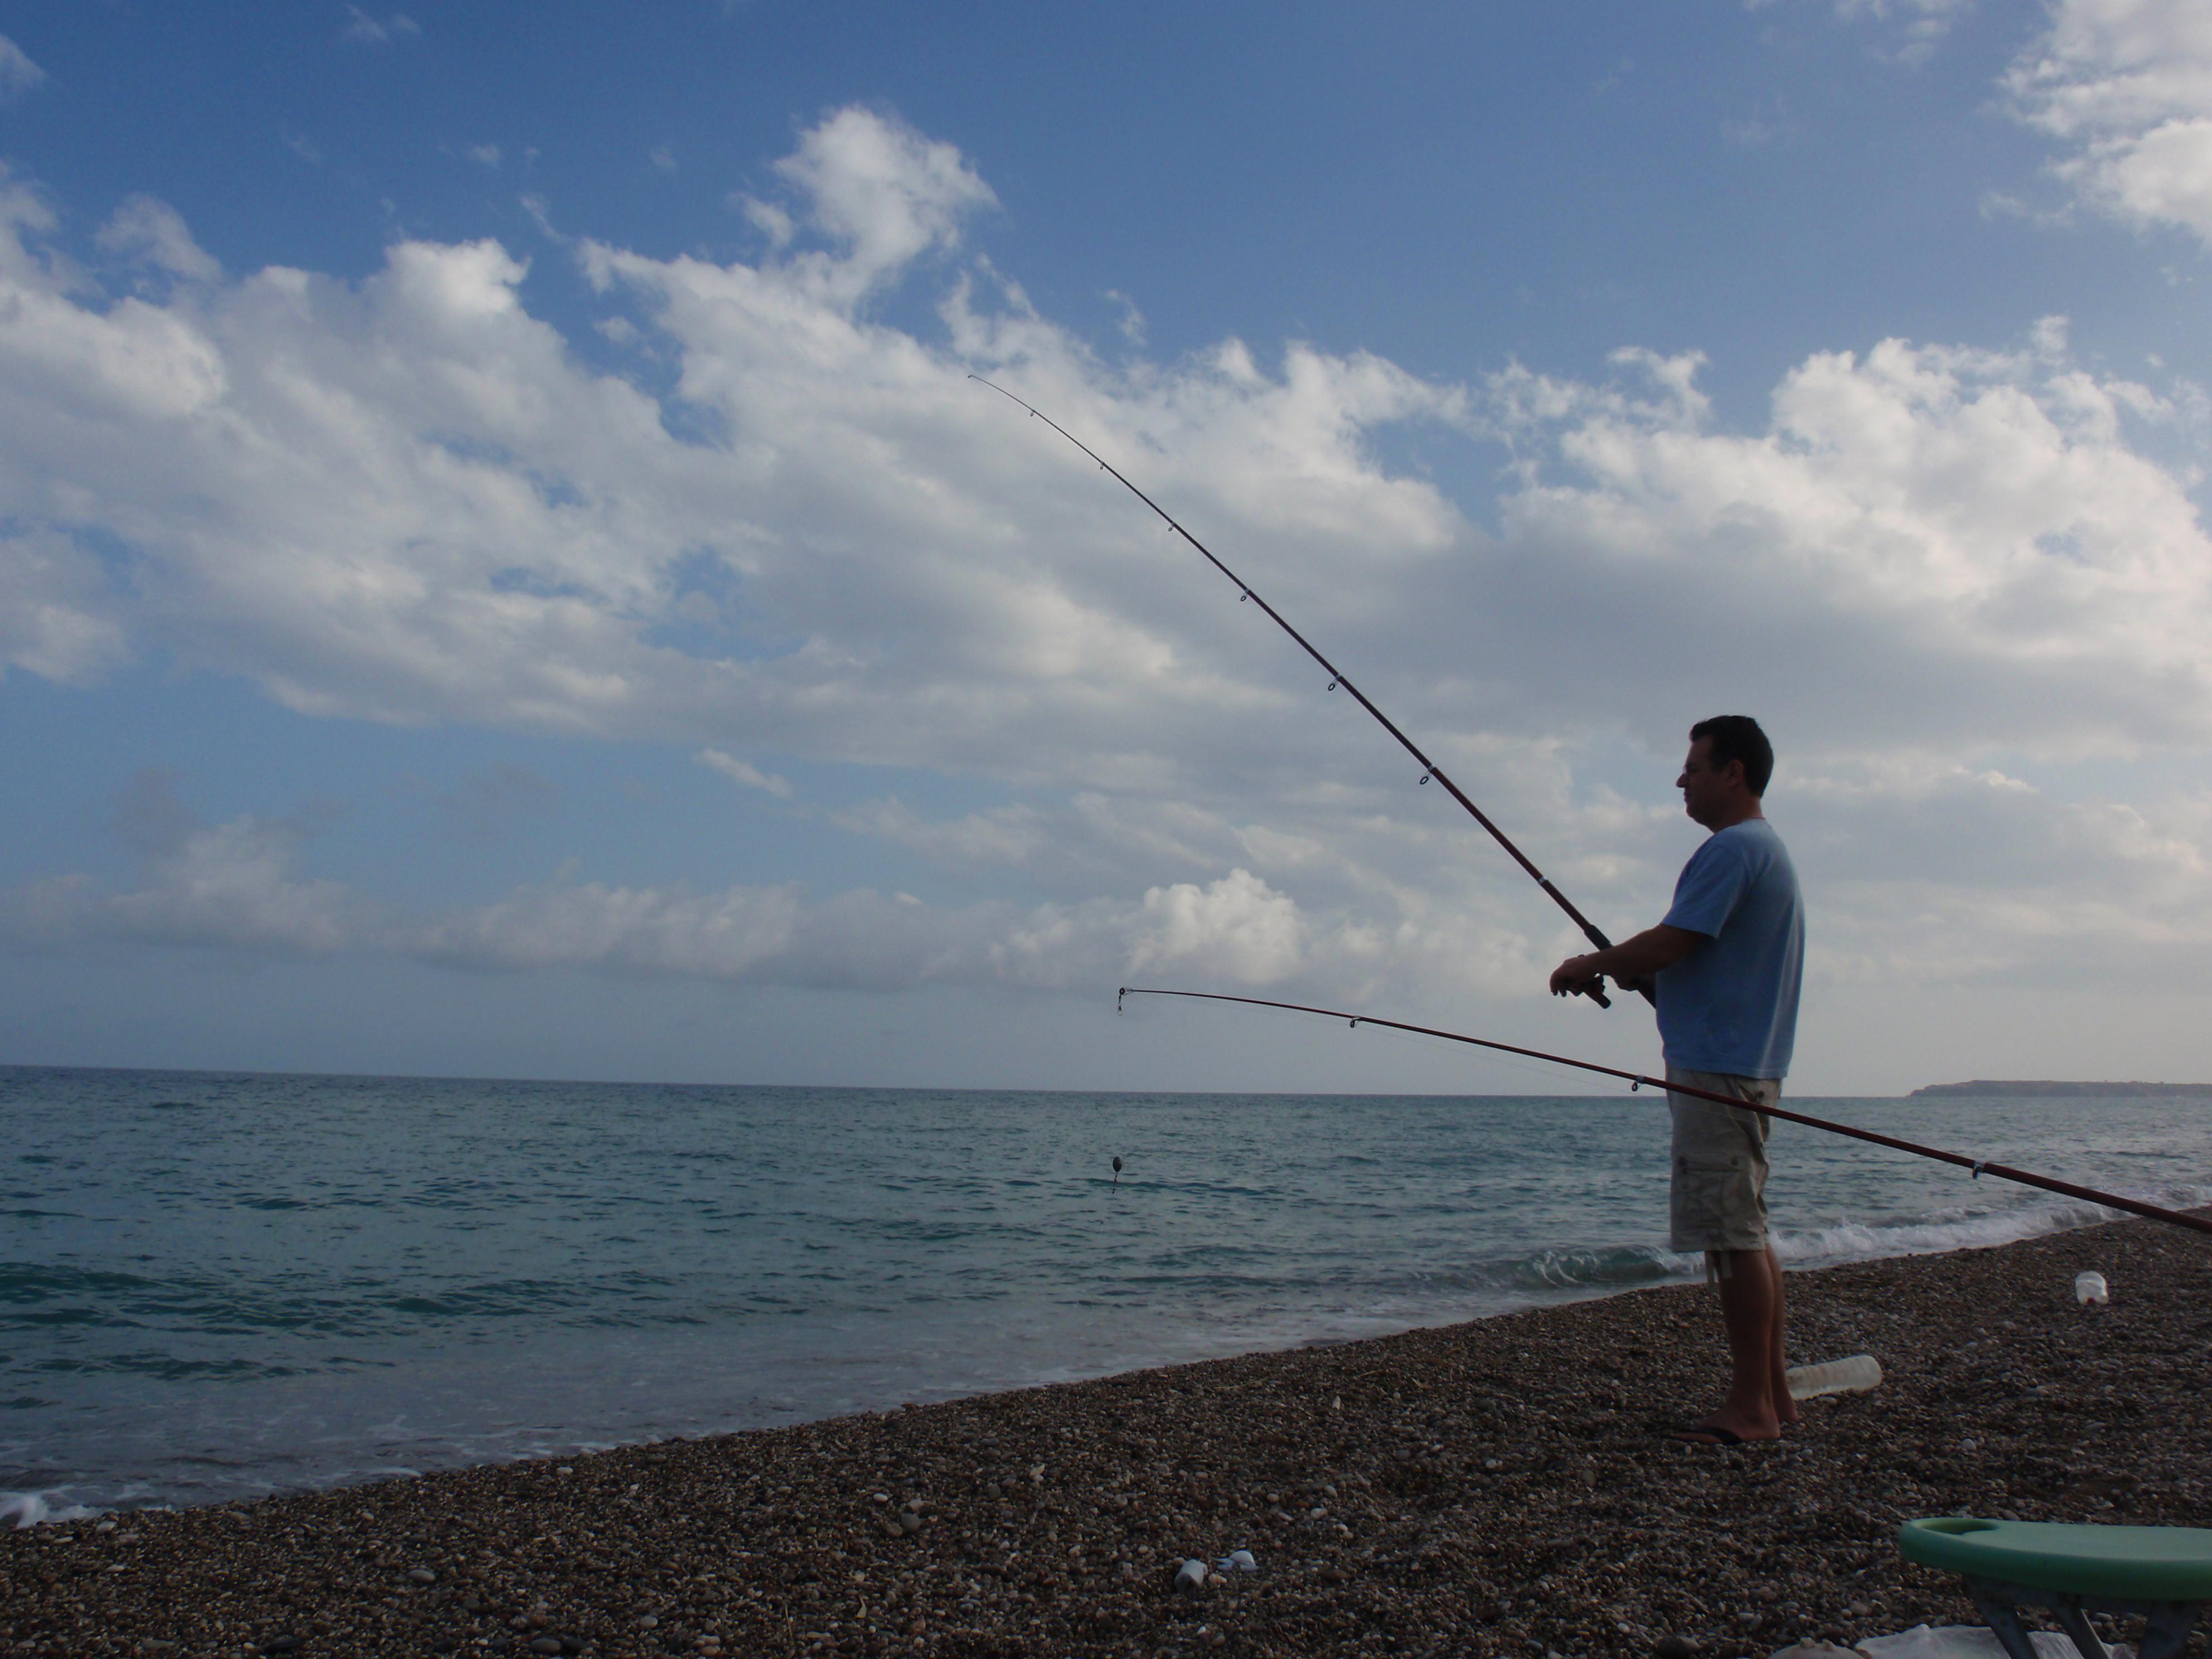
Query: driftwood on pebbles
{"type": "Point", "coordinates": [1504, 1486]}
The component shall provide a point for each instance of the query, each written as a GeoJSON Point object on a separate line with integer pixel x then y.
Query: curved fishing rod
{"type": "Point", "coordinates": [1980, 1166]}
{"type": "Point", "coordinates": [1429, 767]}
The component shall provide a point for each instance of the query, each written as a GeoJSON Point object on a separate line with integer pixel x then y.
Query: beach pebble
{"type": "Point", "coordinates": [423, 1576]}
{"type": "Point", "coordinates": [755, 1532]}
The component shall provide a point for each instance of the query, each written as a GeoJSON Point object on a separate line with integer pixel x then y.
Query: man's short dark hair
{"type": "Point", "coordinates": [1737, 737]}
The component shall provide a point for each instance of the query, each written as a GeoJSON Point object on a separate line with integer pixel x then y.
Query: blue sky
{"type": "Point", "coordinates": [504, 571]}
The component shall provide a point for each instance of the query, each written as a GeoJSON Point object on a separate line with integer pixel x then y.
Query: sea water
{"type": "Point", "coordinates": [214, 1286]}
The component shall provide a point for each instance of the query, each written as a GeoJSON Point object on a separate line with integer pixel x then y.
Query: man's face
{"type": "Point", "coordinates": [1707, 792]}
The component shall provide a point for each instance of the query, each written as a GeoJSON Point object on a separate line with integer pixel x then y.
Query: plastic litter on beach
{"type": "Point", "coordinates": [1853, 1375]}
{"type": "Point", "coordinates": [1236, 1561]}
{"type": "Point", "coordinates": [1190, 1577]}
{"type": "Point", "coordinates": [1942, 1641]}
{"type": "Point", "coordinates": [2091, 1291]}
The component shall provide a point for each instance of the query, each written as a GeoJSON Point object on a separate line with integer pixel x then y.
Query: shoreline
{"type": "Point", "coordinates": [70, 1502]}
{"type": "Point", "coordinates": [1502, 1485]}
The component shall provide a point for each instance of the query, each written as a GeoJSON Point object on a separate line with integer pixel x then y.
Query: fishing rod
{"type": "Point", "coordinates": [1980, 1166]}
{"type": "Point", "coordinates": [1429, 767]}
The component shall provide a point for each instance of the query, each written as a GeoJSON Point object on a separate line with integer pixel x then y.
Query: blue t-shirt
{"type": "Point", "coordinates": [1731, 1005]}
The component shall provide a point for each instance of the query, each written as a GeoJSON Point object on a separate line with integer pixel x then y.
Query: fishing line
{"type": "Point", "coordinates": [1337, 678]}
{"type": "Point", "coordinates": [1978, 1166]}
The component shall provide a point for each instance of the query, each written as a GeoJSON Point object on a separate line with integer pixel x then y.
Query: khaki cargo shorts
{"type": "Point", "coordinates": [1718, 1195]}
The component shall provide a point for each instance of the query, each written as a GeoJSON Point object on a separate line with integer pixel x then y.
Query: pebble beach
{"type": "Point", "coordinates": [1501, 1487]}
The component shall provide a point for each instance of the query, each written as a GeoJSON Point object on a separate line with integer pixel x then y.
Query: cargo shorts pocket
{"type": "Point", "coordinates": [1716, 1205]}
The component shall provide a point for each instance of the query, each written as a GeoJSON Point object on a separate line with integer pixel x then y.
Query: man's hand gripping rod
{"type": "Point", "coordinates": [1429, 767]}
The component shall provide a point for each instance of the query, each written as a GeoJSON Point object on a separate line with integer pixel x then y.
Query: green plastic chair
{"type": "Point", "coordinates": [2162, 1575]}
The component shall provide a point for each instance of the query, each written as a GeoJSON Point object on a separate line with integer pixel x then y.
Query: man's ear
{"type": "Point", "coordinates": [1734, 775]}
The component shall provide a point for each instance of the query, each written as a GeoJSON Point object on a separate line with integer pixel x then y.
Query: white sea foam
{"type": "Point", "coordinates": [1961, 1227]}
{"type": "Point", "coordinates": [38, 1508]}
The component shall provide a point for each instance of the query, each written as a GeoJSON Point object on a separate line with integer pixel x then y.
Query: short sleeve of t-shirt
{"type": "Point", "coordinates": [1713, 883]}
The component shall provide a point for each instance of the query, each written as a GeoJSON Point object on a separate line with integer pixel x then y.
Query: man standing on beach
{"type": "Point", "coordinates": [1724, 968]}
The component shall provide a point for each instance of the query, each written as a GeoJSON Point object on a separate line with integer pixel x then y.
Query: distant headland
{"type": "Point", "coordinates": [1984, 1087]}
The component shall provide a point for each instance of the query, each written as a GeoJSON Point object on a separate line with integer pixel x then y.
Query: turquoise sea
{"type": "Point", "coordinates": [218, 1285]}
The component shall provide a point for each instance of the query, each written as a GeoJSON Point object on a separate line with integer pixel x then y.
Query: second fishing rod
{"type": "Point", "coordinates": [1338, 678]}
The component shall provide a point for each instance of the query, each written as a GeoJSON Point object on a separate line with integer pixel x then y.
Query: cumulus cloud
{"type": "Point", "coordinates": [883, 193]}
{"type": "Point", "coordinates": [1920, 24]}
{"type": "Point", "coordinates": [408, 499]}
{"type": "Point", "coordinates": [18, 74]}
{"type": "Point", "coordinates": [999, 835]}
{"type": "Point", "coordinates": [56, 620]}
{"type": "Point", "coordinates": [744, 772]}
{"type": "Point", "coordinates": [238, 887]}
{"type": "Point", "coordinates": [233, 887]}
{"type": "Point", "coordinates": [2127, 84]}
{"type": "Point", "coordinates": [378, 31]}
{"type": "Point", "coordinates": [153, 231]}
{"type": "Point", "coordinates": [1963, 545]}
{"type": "Point", "coordinates": [1235, 928]}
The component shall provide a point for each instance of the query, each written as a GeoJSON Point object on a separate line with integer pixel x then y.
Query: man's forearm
{"type": "Point", "coordinates": [1640, 958]}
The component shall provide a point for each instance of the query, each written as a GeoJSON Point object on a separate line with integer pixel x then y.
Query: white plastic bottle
{"type": "Point", "coordinates": [1854, 1375]}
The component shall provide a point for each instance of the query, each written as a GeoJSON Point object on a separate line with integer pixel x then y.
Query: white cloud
{"type": "Point", "coordinates": [999, 835]}
{"type": "Point", "coordinates": [744, 772]}
{"type": "Point", "coordinates": [883, 193]}
{"type": "Point", "coordinates": [2127, 85]}
{"type": "Point", "coordinates": [407, 498]}
{"type": "Point", "coordinates": [1964, 544]}
{"type": "Point", "coordinates": [1235, 927]}
{"type": "Point", "coordinates": [236, 887]}
{"type": "Point", "coordinates": [378, 31]}
{"type": "Point", "coordinates": [56, 616]}
{"type": "Point", "coordinates": [18, 74]}
{"type": "Point", "coordinates": [233, 887]}
{"type": "Point", "coordinates": [1132, 321]}
{"type": "Point", "coordinates": [484, 156]}
{"type": "Point", "coordinates": [145, 228]}
{"type": "Point", "coordinates": [1920, 24]}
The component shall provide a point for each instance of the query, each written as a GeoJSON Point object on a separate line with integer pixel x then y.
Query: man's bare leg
{"type": "Point", "coordinates": [1785, 1408]}
{"type": "Point", "coordinates": [1751, 1312]}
